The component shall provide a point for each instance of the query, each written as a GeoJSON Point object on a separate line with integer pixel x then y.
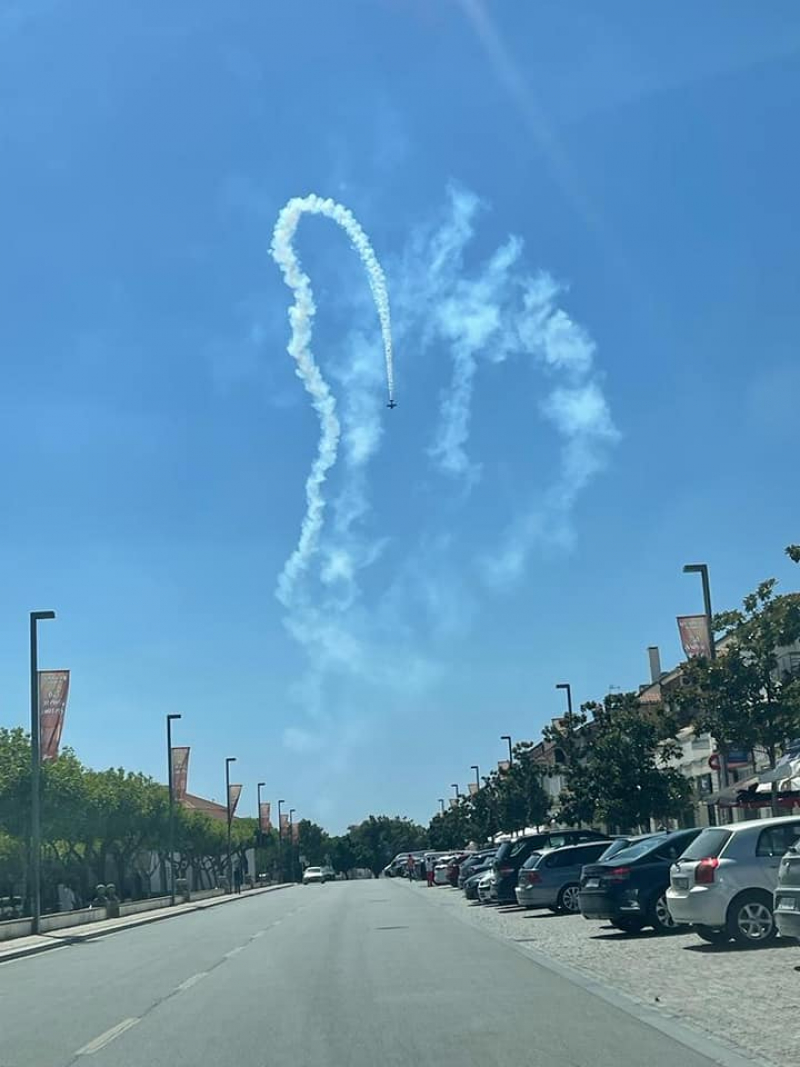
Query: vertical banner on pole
{"type": "Point", "coordinates": [180, 772]}
{"type": "Point", "coordinates": [234, 792]}
{"type": "Point", "coordinates": [295, 832]}
{"type": "Point", "coordinates": [695, 637]}
{"type": "Point", "coordinates": [53, 691]}
{"type": "Point", "coordinates": [265, 824]}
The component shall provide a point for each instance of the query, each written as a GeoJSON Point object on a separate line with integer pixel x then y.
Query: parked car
{"type": "Point", "coordinates": [552, 879]}
{"type": "Point", "coordinates": [313, 875]}
{"type": "Point", "coordinates": [787, 894]}
{"type": "Point", "coordinates": [328, 873]}
{"type": "Point", "coordinates": [440, 871]}
{"type": "Point", "coordinates": [512, 854]}
{"type": "Point", "coordinates": [630, 888]}
{"type": "Point", "coordinates": [472, 882]}
{"type": "Point", "coordinates": [472, 863]}
{"type": "Point", "coordinates": [617, 844]}
{"type": "Point", "coordinates": [487, 890]}
{"type": "Point", "coordinates": [724, 885]}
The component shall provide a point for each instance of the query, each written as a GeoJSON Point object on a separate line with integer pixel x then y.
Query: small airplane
{"type": "Point", "coordinates": [392, 403]}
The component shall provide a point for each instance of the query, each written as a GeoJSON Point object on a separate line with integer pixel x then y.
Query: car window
{"type": "Point", "coordinates": [532, 860]}
{"type": "Point", "coordinates": [523, 847]}
{"type": "Point", "coordinates": [590, 853]}
{"type": "Point", "coordinates": [775, 840]}
{"type": "Point", "coordinates": [562, 857]}
{"type": "Point", "coordinates": [557, 840]}
{"type": "Point", "coordinates": [708, 844]}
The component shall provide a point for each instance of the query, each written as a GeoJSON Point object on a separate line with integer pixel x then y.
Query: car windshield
{"type": "Point", "coordinates": [635, 852]}
{"type": "Point", "coordinates": [708, 844]}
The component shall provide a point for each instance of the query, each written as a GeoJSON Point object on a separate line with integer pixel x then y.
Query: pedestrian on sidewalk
{"type": "Point", "coordinates": [430, 863]}
{"type": "Point", "coordinates": [237, 878]}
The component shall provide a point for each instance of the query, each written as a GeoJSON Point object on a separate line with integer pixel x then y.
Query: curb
{"type": "Point", "coordinates": [63, 938]}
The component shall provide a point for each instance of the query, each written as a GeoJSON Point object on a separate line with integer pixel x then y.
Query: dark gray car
{"type": "Point", "coordinates": [552, 879]}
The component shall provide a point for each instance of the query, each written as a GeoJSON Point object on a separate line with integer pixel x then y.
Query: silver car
{"type": "Point", "coordinates": [551, 879]}
{"type": "Point", "coordinates": [723, 884]}
{"type": "Point", "coordinates": [787, 894]}
{"type": "Point", "coordinates": [487, 890]}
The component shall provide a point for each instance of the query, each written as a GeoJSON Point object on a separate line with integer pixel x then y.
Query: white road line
{"type": "Point", "coordinates": [106, 1038]}
{"type": "Point", "coordinates": [234, 952]}
{"type": "Point", "coordinates": [192, 981]}
{"type": "Point", "coordinates": [277, 922]}
{"type": "Point", "coordinates": [260, 933]}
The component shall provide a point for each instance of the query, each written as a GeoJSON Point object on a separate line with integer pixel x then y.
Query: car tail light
{"type": "Point", "coordinates": [532, 877]}
{"type": "Point", "coordinates": [505, 870]}
{"type": "Point", "coordinates": [619, 874]}
{"type": "Point", "coordinates": [704, 871]}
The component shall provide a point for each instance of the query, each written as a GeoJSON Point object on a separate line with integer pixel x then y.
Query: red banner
{"type": "Point", "coordinates": [234, 792]}
{"type": "Point", "coordinates": [284, 822]}
{"type": "Point", "coordinates": [453, 802]}
{"type": "Point", "coordinates": [473, 788]}
{"type": "Point", "coordinates": [53, 691]}
{"type": "Point", "coordinates": [265, 824]}
{"type": "Point", "coordinates": [295, 832]}
{"type": "Point", "coordinates": [503, 765]}
{"type": "Point", "coordinates": [695, 637]}
{"type": "Point", "coordinates": [180, 772]}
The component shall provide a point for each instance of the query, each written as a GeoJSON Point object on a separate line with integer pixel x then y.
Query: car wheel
{"type": "Point", "coordinates": [628, 926]}
{"type": "Point", "coordinates": [659, 917]}
{"type": "Point", "coordinates": [568, 899]}
{"type": "Point", "coordinates": [750, 920]}
{"type": "Point", "coordinates": [712, 934]}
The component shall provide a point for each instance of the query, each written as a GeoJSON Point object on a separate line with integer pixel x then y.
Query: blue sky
{"type": "Point", "coordinates": [587, 215]}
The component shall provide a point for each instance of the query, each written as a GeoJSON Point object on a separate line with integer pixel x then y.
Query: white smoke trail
{"type": "Point", "coordinates": [301, 316]}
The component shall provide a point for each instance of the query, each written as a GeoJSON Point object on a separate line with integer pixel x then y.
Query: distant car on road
{"type": "Point", "coordinates": [630, 888]}
{"type": "Point", "coordinates": [512, 854]}
{"type": "Point", "coordinates": [473, 863]}
{"type": "Point", "coordinates": [313, 875]}
{"type": "Point", "coordinates": [724, 885]}
{"type": "Point", "coordinates": [552, 879]}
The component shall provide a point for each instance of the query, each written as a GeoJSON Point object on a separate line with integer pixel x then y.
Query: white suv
{"type": "Point", "coordinates": [723, 884]}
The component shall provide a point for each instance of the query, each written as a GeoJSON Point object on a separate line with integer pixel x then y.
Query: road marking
{"type": "Point", "coordinates": [234, 952]}
{"type": "Point", "coordinates": [277, 922]}
{"type": "Point", "coordinates": [106, 1038]}
{"type": "Point", "coordinates": [192, 981]}
{"type": "Point", "coordinates": [260, 933]}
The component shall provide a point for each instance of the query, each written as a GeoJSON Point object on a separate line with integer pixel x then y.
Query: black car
{"type": "Point", "coordinates": [472, 863]}
{"type": "Point", "coordinates": [618, 843]}
{"type": "Point", "coordinates": [512, 854]}
{"type": "Point", "coordinates": [475, 875]}
{"type": "Point", "coordinates": [630, 888]}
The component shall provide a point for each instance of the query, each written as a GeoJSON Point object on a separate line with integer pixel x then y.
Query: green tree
{"type": "Point", "coordinates": [742, 698]}
{"type": "Point", "coordinates": [314, 843]}
{"type": "Point", "coordinates": [379, 838]}
{"type": "Point", "coordinates": [793, 552]}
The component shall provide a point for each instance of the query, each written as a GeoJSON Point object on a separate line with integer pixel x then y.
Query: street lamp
{"type": "Point", "coordinates": [280, 840]}
{"type": "Point", "coordinates": [228, 761]}
{"type": "Point", "coordinates": [441, 804]}
{"type": "Point", "coordinates": [291, 844]}
{"type": "Point", "coordinates": [36, 812]}
{"type": "Point", "coordinates": [477, 770]}
{"type": "Point", "coordinates": [170, 719]}
{"type": "Point", "coordinates": [454, 785]}
{"type": "Point", "coordinates": [507, 737]}
{"type": "Point", "coordinates": [258, 793]}
{"type": "Point", "coordinates": [702, 570]}
{"type": "Point", "coordinates": [568, 688]}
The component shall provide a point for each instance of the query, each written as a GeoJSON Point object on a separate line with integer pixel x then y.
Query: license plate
{"type": "Point", "coordinates": [592, 883]}
{"type": "Point", "coordinates": [680, 883]}
{"type": "Point", "coordinates": [786, 904]}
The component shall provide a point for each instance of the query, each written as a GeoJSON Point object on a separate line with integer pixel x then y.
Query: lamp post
{"type": "Point", "coordinates": [258, 793]}
{"type": "Point", "coordinates": [441, 804]}
{"type": "Point", "coordinates": [229, 760]}
{"type": "Point", "coordinates": [170, 720]}
{"type": "Point", "coordinates": [507, 737]}
{"type": "Point", "coordinates": [36, 811]}
{"type": "Point", "coordinates": [566, 686]}
{"type": "Point", "coordinates": [280, 840]}
{"type": "Point", "coordinates": [477, 770]}
{"type": "Point", "coordinates": [702, 570]}
{"type": "Point", "coordinates": [291, 843]}
{"type": "Point", "coordinates": [454, 785]}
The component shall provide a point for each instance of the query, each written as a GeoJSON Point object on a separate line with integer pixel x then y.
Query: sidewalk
{"type": "Point", "coordinates": [70, 935]}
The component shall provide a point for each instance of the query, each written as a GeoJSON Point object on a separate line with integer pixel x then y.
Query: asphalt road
{"type": "Point", "coordinates": [342, 975]}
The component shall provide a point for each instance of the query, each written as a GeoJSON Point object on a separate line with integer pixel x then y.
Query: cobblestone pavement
{"type": "Point", "coordinates": [747, 997]}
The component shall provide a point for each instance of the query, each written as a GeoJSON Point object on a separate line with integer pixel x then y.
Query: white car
{"type": "Point", "coordinates": [440, 871]}
{"type": "Point", "coordinates": [313, 874]}
{"type": "Point", "coordinates": [724, 882]}
{"type": "Point", "coordinates": [487, 890]}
